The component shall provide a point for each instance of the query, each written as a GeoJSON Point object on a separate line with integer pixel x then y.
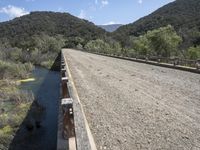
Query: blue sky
{"type": "Point", "coordinates": [97, 11]}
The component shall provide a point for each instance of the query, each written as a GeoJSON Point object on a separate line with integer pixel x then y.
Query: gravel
{"type": "Point", "coordinates": [132, 105]}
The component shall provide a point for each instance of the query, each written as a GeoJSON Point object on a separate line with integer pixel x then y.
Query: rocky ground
{"type": "Point", "coordinates": [132, 105]}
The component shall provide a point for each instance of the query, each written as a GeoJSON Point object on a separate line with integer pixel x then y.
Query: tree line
{"type": "Point", "coordinates": [161, 42]}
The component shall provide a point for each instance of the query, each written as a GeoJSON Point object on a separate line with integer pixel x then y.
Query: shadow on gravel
{"type": "Point", "coordinates": [38, 131]}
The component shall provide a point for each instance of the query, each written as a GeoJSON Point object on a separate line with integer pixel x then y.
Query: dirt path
{"type": "Point", "coordinates": [137, 106]}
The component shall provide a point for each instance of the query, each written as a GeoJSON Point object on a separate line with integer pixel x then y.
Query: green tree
{"type": "Point", "coordinates": [194, 52]}
{"type": "Point", "coordinates": [73, 42]}
{"type": "Point", "coordinates": [164, 41]}
{"type": "Point", "coordinates": [98, 46]}
{"type": "Point", "coordinates": [115, 48]}
{"type": "Point", "coordinates": [15, 54]}
{"type": "Point", "coordinates": [141, 45]}
{"type": "Point", "coordinates": [79, 46]}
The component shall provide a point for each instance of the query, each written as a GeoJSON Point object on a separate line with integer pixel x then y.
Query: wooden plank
{"type": "Point", "coordinates": [72, 145]}
{"type": "Point", "coordinates": [62, 144]}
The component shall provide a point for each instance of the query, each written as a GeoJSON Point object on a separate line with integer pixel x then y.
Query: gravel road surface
{"type": "Point", "coordinates": [132, 105]}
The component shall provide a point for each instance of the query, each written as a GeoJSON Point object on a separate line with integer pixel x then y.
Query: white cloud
{"type": "Point", "coordinates": [60, 9]}
{"type": "Point", "coordinates": [82, 14]}
{"type": "Point", "coordinates": [110, 23]}
{"type": "Point", "coordinates": [101, 3]}
{"type": "Point", "coordinates": [104, 3]}
{"type": "Point", "coordinates": [140, 1]}
{"type": "Point", "coordinates": [13, 11]}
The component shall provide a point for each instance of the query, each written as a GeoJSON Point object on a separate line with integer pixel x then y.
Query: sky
{"type": "Point", "coordinates": [100, 12]}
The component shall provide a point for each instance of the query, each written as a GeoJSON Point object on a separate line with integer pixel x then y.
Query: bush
{"type": "Point", "coordinates": [142, 46]}
{"type": "Point", "coordinates": [11, 54]}
{"type": "Point", "coordinates": [97, 46]}
{"type": "Point", "coordinates": [47, 64]}
{"type": "Point", "coordinates": [101, 46]}
{"type": "Point", "coordinates": [193, 53]}
{"type": "Point", "coordinates": [15, 106]}
{"type": "Point", "coordinates": [164, 41]}
{"type": "Point", "coordinates": [159, 42]}
{"type": "Point", "coordinates": [11, 70]}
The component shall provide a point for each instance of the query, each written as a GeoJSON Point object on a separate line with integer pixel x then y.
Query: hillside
{"type": "Point", "coordinates": [183, 15]}
{"type": "Point", "coordinates": [110, 28]}
{"type": "Point", "coordinates": [48, 23]}
{"type": "Point", "coordinates": [39, 36]}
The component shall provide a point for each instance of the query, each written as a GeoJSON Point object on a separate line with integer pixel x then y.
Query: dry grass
{"type": "Point", "coordinates": [14, 106]}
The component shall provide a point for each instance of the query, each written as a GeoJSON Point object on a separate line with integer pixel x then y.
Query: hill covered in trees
{"type": "Point", "coordinates": [39, 36]}
{"type": "Point", "coordinates": [49, 24]}
{"type": "Point", "coordinates": [183, 15]}
{"type": "Point", "coordinates": [171, 31]}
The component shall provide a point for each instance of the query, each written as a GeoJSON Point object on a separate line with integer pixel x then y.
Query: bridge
{"type": "Point", "coordinates": [110, 103]}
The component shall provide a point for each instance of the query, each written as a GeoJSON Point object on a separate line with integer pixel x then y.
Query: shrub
{"type": "Point", "coordinates": [47, 64]}
{"type": "Point", "coordinates": [11, 70]}
{"type": "Point", "coordinates": [193, 53]}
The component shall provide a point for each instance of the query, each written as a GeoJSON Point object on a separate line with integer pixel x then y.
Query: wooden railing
{"type": "Point", "coordinates": [175, 63]}
{"type": "Point", "coordinates": [73, 129]}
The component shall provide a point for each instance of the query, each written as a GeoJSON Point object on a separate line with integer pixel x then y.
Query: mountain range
{"type": "Point", "coordinates": [50, 24]}
{"type": "Point", "coordinates": [183, 15]}
{"type": "Point", "coordinates": [111, 27]}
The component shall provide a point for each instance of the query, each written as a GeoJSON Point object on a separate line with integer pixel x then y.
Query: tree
{"type": "Point", "coordinates": [164, 41]}
{"type": "Point", "coordinates": [98, 46]}
{"type": "Point", "coordinates": [15, 54]}
{"type": "Point", "coordinates": [79, 46]}
{"type": "Point", "coordinates": [115, 47]}
{"type": "Point", "coordinates": [194, 52]}
{"type": "Point", "coordinates": [73, 42]}
{"type": "Point", "coordinates": [141, 45]}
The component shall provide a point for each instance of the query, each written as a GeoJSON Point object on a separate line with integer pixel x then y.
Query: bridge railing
{"type": "Point", "coordinates": [73, 130]}
{"type": "Point", "coordinates": [176, 63]}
